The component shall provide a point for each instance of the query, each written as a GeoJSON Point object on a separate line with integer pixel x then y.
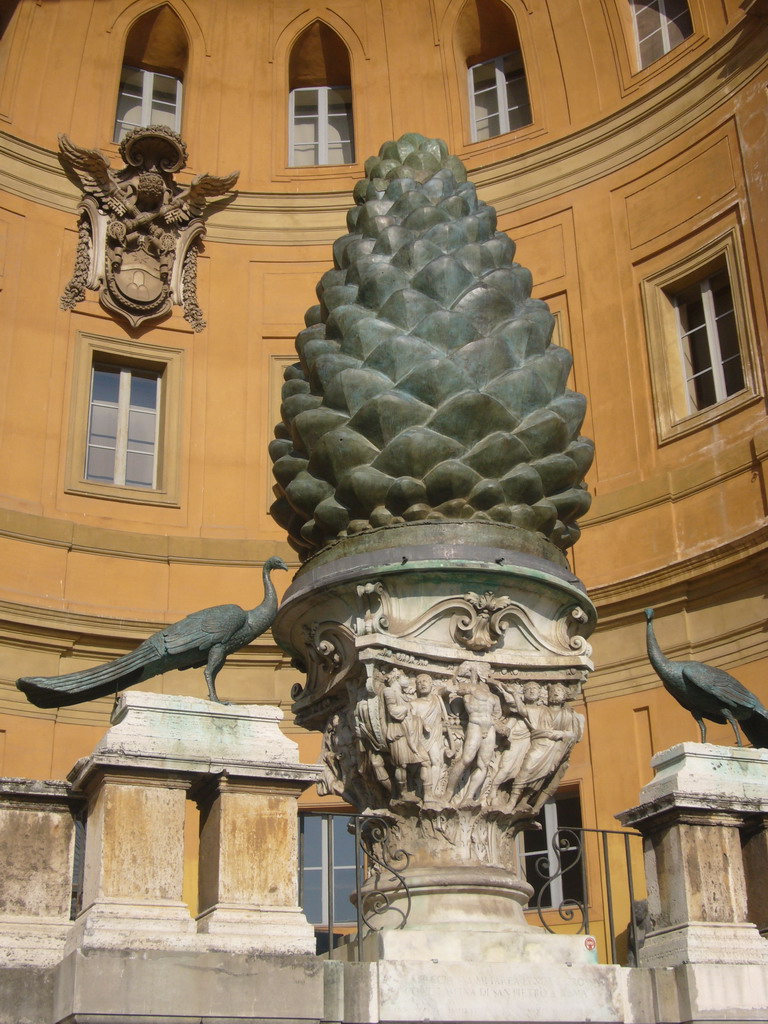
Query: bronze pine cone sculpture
{"type": "Point", "coordinates": [428, 387]}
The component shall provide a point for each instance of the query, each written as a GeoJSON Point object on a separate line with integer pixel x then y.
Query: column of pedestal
{"type": "Point", "coordinates": [134, 857]}
{"type": "Point", "coordinates": [754, 839]}
{"type": "Point", "coordinates": [692, 818]}
{"type": "Point", "coordinates": [37, 839]}
{"type": "Point", "coordinates": [248, 880]}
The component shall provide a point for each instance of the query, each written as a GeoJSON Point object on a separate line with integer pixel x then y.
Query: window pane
{"type": "Point", "coordinates": [100, 464]}
{"type": "Point", "coordinates": [651, 49]}
{"type": "Point", "coordinates": [340, 101]}
{"type": "Point", "coordinates": [313, 895]}
{"type": "Point", "coordinates": [305, 132]}
{"type": "Point", "coordinates": [338, 129]}
{"type": "Point", "coordinates": [106, 385]}
{"type": "Point", "coordinates": [680, 24]}
{"type": "Point", "coordinates": [343, 885]}
{"type": "Point", "coordinates": [721, 293]}
{"type": "Point", "coordinates": [703, 390]}
{"type": "Point", "coordinates": [487, 128]}
{"type": "Point", "coordinates": [647, 19]}
{"type": "Point", "coordinates": [305, 156]}
{"type": "Point", "coordinates": [103, 425]}
{"type": "Point", "coordinates": [699, 355]}
{"type": "Point", "coordinates": [486, 103]}
{"type": "Point", "coordinates": [484, 76]}
{"type": "Point", "coordinates": [678, 31]}
{"type": "Point", "coordinates": [343, 842]}
{"type": "Point", "coordinates": [164, 89]}
{"type": "Point", "coordinates": [691, 311]}
{"type": "Point", "coordinates": [305, 102]}
{"type": "Point", "coordinates": [128, 114]}
{"type": "Point", "coordinates": [139, 470]}
{"type": "Point", "coordinates": [144, 391]}
{"type": "Point", "coordinates": [313, 845]}
{"type": "Point", "coordinates": [141, 430]}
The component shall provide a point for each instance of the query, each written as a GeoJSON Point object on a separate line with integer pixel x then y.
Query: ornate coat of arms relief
{"type": "Point", "coordinates": [139, 230]}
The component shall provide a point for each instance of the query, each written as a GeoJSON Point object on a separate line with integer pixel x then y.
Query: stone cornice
{"type": "Point", "coordinates": [514, 182]}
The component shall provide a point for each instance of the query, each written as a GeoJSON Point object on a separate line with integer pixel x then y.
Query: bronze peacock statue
{"type": "Point", "coordinates": [204, 638]}
{"type": "Point", "coordinates": [708, 692]}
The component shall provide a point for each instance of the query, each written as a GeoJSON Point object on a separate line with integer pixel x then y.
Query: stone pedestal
{"type": "Point", "coordinates": [694, 816]}
{"type": "Point", "coordinates": [441, 670]}
{"type": "Point", "coordinates": [247, 778]}
{"type": "Point", "coordinates": [37, 836]}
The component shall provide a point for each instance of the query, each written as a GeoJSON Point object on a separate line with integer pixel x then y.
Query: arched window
{"type": "Point", "coordinates": [154, 64]}
{"type": "Point", "coordinates": [498, 92]}
{"type": "Point", "coordinates": [321, 129]}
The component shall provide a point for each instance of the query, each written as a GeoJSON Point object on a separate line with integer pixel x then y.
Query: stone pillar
{"type": "Point", "coordinates": [754, 838]}
{"type": "Point", "coordinates": [37, 839]}
{"type": "Point", "coordinates": [248, 880]}
{"type": "Point", "coordinates": [691, 816]}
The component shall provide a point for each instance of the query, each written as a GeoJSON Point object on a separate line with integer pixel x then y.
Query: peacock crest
{"type": "Point", "coordinates": [427, 387]}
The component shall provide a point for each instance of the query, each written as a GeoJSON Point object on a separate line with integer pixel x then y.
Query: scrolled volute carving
{"type": "Point", "coordinates": [482, 626]}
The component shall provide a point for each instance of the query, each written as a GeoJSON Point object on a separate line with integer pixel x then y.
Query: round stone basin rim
{"type": "Point", "coordinates": [435, 559]}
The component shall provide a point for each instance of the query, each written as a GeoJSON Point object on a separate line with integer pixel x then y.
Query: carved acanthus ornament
{"type": "Point", "coordinates": [139, 230]}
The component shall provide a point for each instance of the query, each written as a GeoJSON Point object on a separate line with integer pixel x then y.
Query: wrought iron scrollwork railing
{"type": "Point", "coordinates": [552, 866]}
{"type": "Point", "coordinates": [375, 903]}
{"type": "Point", "coordinates": [564, 840]}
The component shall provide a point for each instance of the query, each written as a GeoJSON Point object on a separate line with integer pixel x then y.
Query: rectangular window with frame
{"type": "Point", "coordinates": [147, 97]}
{"type": "Point", "coordinates": [660, 26]}
{"type": "Point", "coordinates": [498, 96]}
{"type": "Point", "coordinates": [321, 126]}
{"type": "Point", "coordinates": [125, 421]}
{"type": "Point", "coordinates": [700, 338]}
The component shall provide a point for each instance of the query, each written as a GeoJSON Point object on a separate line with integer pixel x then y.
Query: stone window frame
{"type": "Point", "coordinates": [503, 109]}
{"type": "Point", "coordinates": [668, 384]}
{"type": "Point", "coordinates": [168, 364]}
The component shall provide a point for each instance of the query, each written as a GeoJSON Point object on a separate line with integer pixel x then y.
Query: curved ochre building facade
{"type": "Point", "coordinates": [626, 161]}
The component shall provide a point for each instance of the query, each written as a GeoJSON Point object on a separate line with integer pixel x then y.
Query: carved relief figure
{"type": "Point", "coordinates": [403, 732]}
{"type": "Point", "coordinates": [517, 729]}
{"type": "Point", "coordinates": [483, 710]}
{"type": "Point", "coordinates": [555, 730]}
{"type": "Point", "coordinates": [429, 709]}
{"type": "Point", "coordinates": [139, 229]}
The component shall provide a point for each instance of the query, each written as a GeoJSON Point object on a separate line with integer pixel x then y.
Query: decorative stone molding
{"type": "Point", "coordinates": [139, 231]}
